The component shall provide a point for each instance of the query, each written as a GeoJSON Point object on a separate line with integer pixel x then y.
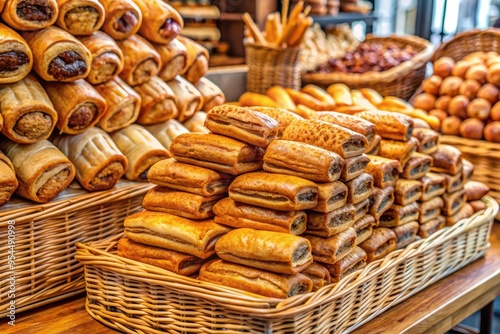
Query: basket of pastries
{"type": "Point", "coordinates": [393, 66]}
{"type": "Point", "coordinates": [273, 222]}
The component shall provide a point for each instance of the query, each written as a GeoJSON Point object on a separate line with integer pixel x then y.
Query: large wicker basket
{"type": "Point", "coordinates": [468, 42]}
{"type": "Point", "coordinates": [138, 298]}
{"type": "Point", "coordinates": [45, 236]}
{"type": "Point", "coordinates": [400, 81]}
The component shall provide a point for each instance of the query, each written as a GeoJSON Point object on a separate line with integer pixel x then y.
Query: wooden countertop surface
{"type": "Point", "coordinates": [434, 310]}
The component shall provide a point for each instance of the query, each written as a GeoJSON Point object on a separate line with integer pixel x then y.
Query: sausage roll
{"type": "Point", "coordinates": [389, 125]}
{"type": "Point", "coordinates": [354, 167]}
{"type": "Point", "coordinates": [465, 212]}
{"type": "Point", "coordinates": [274, 191]}
{"type": "Point", "coordinates": [475, 190]}
{"type": "Point", "coordinates": [167, 131]}
{"type": "Point", "coordinates": [428, 140]}
{"type": "Point", "coordinates": [8, 180]}
{"type": "Point", "coordinates": [364, 228]}
{"type": "Point", "coordinates": [430, 209]}
{"type": "Point", "coordinates": [161, 23]}
{"type": "Point", "coordinates": [330, 250]}
{"type": "Point", "coordinates": [360, 188]}
{"type": "Point", "coordinates": [180, 203]}
{"type": "Point", "coordinates": [216, 152]}
{"type": "Point", "coordinates": [253, 280]}
{"type": "Point", "coordinates": [374, 147]}
{"type": "Point", "coordinates": [353, 123]}
{"type": "Point", "coordinates": [141, 149]}
{"type": "Point", "coordinates": [212, 94]}
{"type": "Point", "coordinates": [354, 261]}
{"type": "Point", "coordinates": [331, 137]}
{"type": "Point", "coordinates": [174, 57]}
{"type": "Point", "coordinates": [98, 162]}
{"type": "Point", "coordinates": [385, 171]}
{"type": "Point", "coordinates": [468, 170]}
{"type": "Point", "coordinates": [453, 182]}
{"type": "Point", "coordinates": [303, 160]}
{"type": "Point", "coordinates": [57, 55]}
{"type": "Point", "coordinates": [399, 215]}
{"type": "Point", "coordinates": [81, 17]}
{"type": "Point", "coordinates": [158, 102]}
{"type": "Point", "coordinates": [79, 106]}
{"type": "Point", "coordinates": [42, 170]}
{"type": "Point", "coordinates": [197, 61]}
{"type": "Point", "coordinates": [433, 185]}
{"type": "Point", "coordinates": [30, 15]}
{"type": "Point", "coordinates": [431, 227]}
{"type": "Point", "coordinates": [107, 57]}
{"type": "Point", "coordinates": [189, 99]}
{"type": "Point", "coordinates": [254, 248]}
{"type": "Point", "coordinates": [240, 215]}
{"type": "Point", "coordinates": [379, 244]}
{"type": "Point", "coordinates": [283, 117]}
{"type": "Point", "coordinates": [197, 180]}
{"type": "Point", "coordinates": [331, 196]}
{"type": "Point", "coordinates": [123, 105]}
{"type": "Point", "coordinates": [361, 209]}
{"type": "Point", "coordinates": [175, 233]}
{"type": "Point", "coordinates": [417, 166]}
{"type": "Point", "coordinates": [398, 150]}
{"type": "Point", "coordinates": [406, 234]}
{"type": "Point", "coordinates": [197, 122]}
{"type": "Point", "coordinates": [123, 18]}
{"type": "Point", "coordinates": [381, 200]}
{"type": "Point", "coordinates": [15, 56]}
{"type": "Point", "coordinates": [407, 191]}
{"type": "Point", "coordinates": [243, 124]}
{"type": "Point", "coordinates": [453, 202]}
{"type": "Point", "coordinates": [330, 223]}
{"type": "Point", "coordinates": [319, 275]}
{"type": "Point", "coordinates": [179, 263]}
{"type": "Point", "coordinates": [447, 159]}
{"type": "Point", "coordinates": [141, 61]}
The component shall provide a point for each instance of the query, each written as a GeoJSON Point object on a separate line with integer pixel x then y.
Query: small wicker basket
{"type": "Point", "coordinates": [133, 297]}
{"type": "Point", "coordinates": [400, 81]}
{"type": "Point", "coordinates": [468, 42]}
{"type": "Point", "coordinates": [269, 66]}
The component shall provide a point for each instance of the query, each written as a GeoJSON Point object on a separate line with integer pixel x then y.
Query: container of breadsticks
{"type": "Point", "coordinates": [272, 56]}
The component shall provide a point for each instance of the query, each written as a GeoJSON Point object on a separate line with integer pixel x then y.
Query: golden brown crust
{"type": "Point", "coordinates": [161, 23]}
{"type": "Point", "coordinates": [385, 171]}
{"type": "Point", "coordinates": [354, 167]}
{"type": "Point", "coordinates": [431, 227]}
{"type": "Point", "coordinates": [364, 228]}
{"type": "Point", "coordinates": [197, 62]}
{"type": "Point", "coordinates": [330, 223]}
{"type": "Point", "coordinates": [453, 182]}
{"type": "Point", "coordinates": [398, 150]}
{"type": "Point", "coordinates": [465, 212]}
{"type": "Point", "coordinates": [475, 190]}
{"type": "Point", "coordinates": [173, 59]}
{"type": "Point", "coordinates": [167, 131]}
{"type": "Point", "coordinates": [468, 170]}
{"type": "Point", "coordinates": [453, 202]}
{"type": "Point", "coordinates": [16, 18]}
{"type": "Point", "coordinates": [331, 196]}
{"type": "Point", "coordinates": [374, 146]}
{"type": "Point", "coordinates": [428, 140]}
{"type": "Point", "coordinates": [407, 191]}
{"type": "Point", "coordinates": [356, 124]}
{"type": "Point", "coordinates": [389, 125]}
{"type": "Point", "coordinates": [447, 159]}
{"type": "Point", "coordinates": [123, 18]}
{"type": "Point", "coordinates": [406, 234]}
{"type": "Point", "coordinates": [283, 117]}
{"type": "Point", "coordinates": [158, 102]}
{"type": "Point", "coordinates": [189, 99]}
{"type": "Point", "coordinates": [8, 180]}
{"type": "Point", "coordinates": [80, 18]}
{"type": "Point", "coordinates": [433, 185]}
{"type": "Point", "coordinates": [381, 200]}
{"type": "Point", "coordinates": [429, 209]}
{"type": "Point", "coordinates": [361, 209]}
{"type": "Point", "coordinates": [319, 275]}
{"type": "Point", "coordinates": [12, 43]}
{"type": "Point", "coordinates": [379, 244]}
{"type": "Point", "coordinates": [213, 96]}
{"type": "Point", "coordinates": [352, 262]}
{"type": "Point", "coordinates": [332, 249]}
{"type": "Point", "coordinates": [417, 166]}
{"type": "Point", "coordinates": [398, 215]}
{"type": "Point", "coordinates": [360, 188]}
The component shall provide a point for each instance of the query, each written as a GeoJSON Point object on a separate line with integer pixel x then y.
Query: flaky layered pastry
{"type": "Point", "coordinates": [158, 102]}
{"type": "Point", "coordinates": [407, 191]}
{"type": "Point", "coordinates": [453, 202]}
{"type": "Point", "coordinates": [167, 131]}
{"type": "Point", "coordinates": [98, 162]}
{"type": "Point", "coordinates": [197, 122]}
{"type": "Point", "coordinates": [212, 95]}
{"type": "Point", "coordinates": [354, 167]}
{"type": "Point", "coordinates": [173, 59]}
{"type": "Point", "coordinates": [433, 185]}
{"type": "Point", "coordinates": [197, 61]}
{"type": "Point", "coordinates": [332, 249]}
{"type": "Point", "coordinates": [430, 209]}
{"type": "Point", "coordinates": [141, 61]}
{"type": "Point", "coordinates": [356, 124]}
{"type": "Point", "coordinates": [385, 171]}
{"type": "Point", "coordinates": [257, 249]}
{"type": "Point", "coordinates": [398, 215]}
{"type": "Point", "coordinates": [342, 141]}
{"type": "Point", "coordinates": [161, 23]}
{"type": "Point", "coordinates": [428, 140]}
{"type": "Point", "coordinates": [453, 182]}
{"type": "Point", "coordinates": [331, 196]}
{"type": "Point", "coordinates": [123, 18]}
{"type": "Point", "coordinates": [8, 180]}
{"type": "Point", "coordinates": [389, 125]}
{"type": "Point", "coordinates": [360, 188]}
{"type": "Point", "coordinates": [15, 56]}
{"type": "Point", "coordinates": [330, 223]}
{"type": "Point", "coordinates": [274, 191]}
{"type": "Point", "coordinates": [475, 190]}
{"type": "Point", "coordinates": [379, 244]}
{"type": "Point", "coordinates": [189, 99]}
{"type": "Point", "coordinates": [239, 215]}
{"type": "Point", "coordinates": [466, 211]}
{"type": "Point", "coordinates": [447, 159]}
{"type": "Point", "coordinates": [381, 200]}
{"type": "Point", "coordinates": [80, 17]}
{"type": "Point", "coordinates": [398, 150]}
{"type": "Point", "coordinates": [417, 166]}
{"type": "Point", "coordinates": [361, 209]}
{"type": "Point", "coordinates": [406, 234]}
{"type": "Point", "coordinates": [303, 160]}
{"type": "Point", "coordinates": [431, 227]}
{"type": "Point", "coordinates": [24, 15]}
{"type": "Point", "coordinates": [364, 228]}
{"type": "Point", "coordinates": [354, 261]}
{"type": "Point", "coordinates": [374, 146]}
{"type": "Point", "coordinates": [319, 275]}
{"type": "Point", "coordinates": [468, 170]}
{"type": "Point", "coordinates": [283, 117]}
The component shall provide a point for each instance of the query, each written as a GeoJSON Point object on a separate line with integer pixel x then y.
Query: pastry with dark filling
{"type": "Point", "coordinates": [330, 223]}
{"type": "Point", "coordinates": [354, 261]}
{"type": "Point", "coordinates": [364, 228]}
{"type": "Point", "coordinates": [385, 171]}
{"type": "Point", "coordinates": [319, 275]}
{"type": "Point", "coordinates": [453, 202]}
{"type": "Point", "coordinates": [433, 185]}
{"type": "Point", "coordinates": [417, 166]}
{"type": "Point", "coordinates": [354, 167]}
{"type": "Point", "coordinates": [331, 196]}
{"type": "Point", "coordinates": [407, 191]}
{"type": "Point", "coordinates": [447, 159]}
{"type": "Point", "coordinates": [429, 209]}
{"type": "Point", "coordinates": [189, 99]}
{"type": "Point", "coordinates": [406, 234]}
{"type": "Point", "coordinates": [29, 14]}
{"type": "Point", "coordinates": [468, 170]}
{"type": "Point", "coordinates": [431, 227]}
{"type": "Point", "coordinates": [465, 212]}
{"type": "Point", "coordinates": [173, 59]}
{"type": "Point", "coordinates": [389, 125]}
{"type": "Point", "coordinates": [16, 58]}
{"type": "Point", "coordinates": [80, 17]}
{"type": "Point", "coordinates": [381, 200]}
{"type": "Point", "coordinates": [161, 23]}
{"type": "Point", "coordinates": [428, 140]}
{"type": "Point", "coordinates": [212, 95]}
{"type": "Point", "coordinates": [197, 61]}
{"type": "Point", "coordinates": [360, 188]}
{"type": "Point", "coordinates": [361, 209]}
{"type": "Point", "coordinates": [141, 60]}
{"type": "Point", "coordinates": [374, 147]}
{"type": "Point", "coordinates": [330, 250]}
{"type": "Point", "coordinates": [158, 102]}
{"type": "Point", "coordinates": [399, 215]}
{"type": "Point", "coordinates": [379, 244]}
{"type": "Point", "coordinates": [8, 180]}
{"type": "Point", "coordinates": [123, 18]}
{"type": "Point", "coordinates": [398, 150]}
{"type": "Point", "coordinates": [453, 182]}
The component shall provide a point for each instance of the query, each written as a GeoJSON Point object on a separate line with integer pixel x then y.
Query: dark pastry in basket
{"type": "Point", "coordinates": [352, 262]}
{"type": "Point", "coordinates": [319, 275]}
{"type": "Point", "coordinates": [123, 18]}
{"type": "Point", "coordinates": [433, 185]}
{"type": "Point", "coordinates": [468, 170]}
{"type": "Point", "coordinates": [99, 163]}
{"type": "Point", "coordinates": [167, 131]}
{"type": "Point", "coordinates": [254, 280]}
{"type": "Point", "coordinates": [379, 244]}
{"type": "Point", "coordinates": [389, 125]}
{"type": "Point", "coordinates": [453, 202]}
{"type": "Point", "coordinates": [465, 212]}
{"type": "Point", "coordinates": [58, 55]}
{"type": "Point", "coordinates": [41, 169]}
{"type": "Point", "coordinates": [197, 61]}
{"type": "Point", "coordinates": [80, 17]}
{"type": "Point", "coordinates": [179, 263]}
{"type": "Point", "coordinates": [406, 234]}
{"type": "Point", "coordinates": [475, 190]}
{"type": "Point", "coordinates": [431, 227]}
{"type": "Point", "coordinates": [123, 105]}
{"type": "Point", "coordinates": [354, 167]}
{"type": "Point", "coordinates": [360, 188]}
{"type": "Point", "coordinates": [302, 160]}
{"type": "Point", "coordinates": [407, 191]}
{"type": "Point", "coordinates": [189, 99]}
{"type": "Point", "coordinates": [79, 106]}
{"type": "Point", "coordinates": [428, 140]}
{"type": "Point", "coordinates": [453, 182]}
{"type": "Point", "coordinates": [241, 123]}
{"type": "Point", "coordinates": [212, 95]}
{"type": "Point", "coordinates": [8, 180]}
{"type": "Point", "coordinates": [240, 215]}
{"type": "Point", "coordinates": [274, 191]}
{"type": "Point", "coordinates": [283, 117]}
{"type": "Point", "coordinates": [342, 141]}
{"type": "Point", "coordinates": [171, 232]}
{"type": "Point", "coordinates": [331, 196]}
{"type": "Point", "coordinates": [256, 249]}
{"type": "Point", "coordinates": [364, 228]}
{"type": "Point", "coordinates": [385, 171]}
{"type": "Point", "coordinates": [398, 150]}
{"type": "Point", "coordinates": [330, 223]}
{"type": "Point", "coordinates": [142, 150]}
{"type": "Point", "coordinates": [381, 200]}
{"type": "Point", "coordinates": [417, 166]}
{"type": "Point", "coordinates": [15, 56]}
{"type": "Point", "coordinates": [173, 59]}
{"type": "Point", "coordinates": [216, 152]}
{"type": "Point", "coordinates": [27, 112]}
{"type": "Point", "coordinates": [331, 249]}
{"type": "Point", "coordinates": [398, 215]}
{"type": "Point", "coordinates": [374, 147]}
{"type": "Point", "coordinates": [141, 60]}
{"type": "Point", "coordinates": [356, 124]}
{"type": "Point", "coordinates": [158, 102]}
{"type": "Point", "coordinates": [22, 15]}
{"type": "Point", "coordinates": [430, 209]}
{"type": "Point", "coordinates": [361, 209]}
{"type": "Point", "coordinates": [447, 159]}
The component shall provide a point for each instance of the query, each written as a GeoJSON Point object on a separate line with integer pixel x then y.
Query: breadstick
{"type": "Point", "coordinates": [257, 35]}
{"type": "Point", "coordinates": [284, 12]}
{"type": "Point", "coordinates": [299, 32]}
{"type": "Point", "coordinates": [307, 10]}
{"type": "Point", "coordinates": [290, 28]}
{"type": "Point", "coordinates": [272, 33]}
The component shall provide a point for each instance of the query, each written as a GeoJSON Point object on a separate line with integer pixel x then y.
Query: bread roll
{"type": "Point", "coordinates": [341, 94]}
{"type": "Point", "coordinates": [381, 201]}
{"type": "Point", "coordinates": [22, 15]}
{"type": "Point", "coordinates": [475, 190]}
{"type": "Point", "coordinates": [469, 88]}
{"type": "Point", "coordinates": [330, 223]}
{"type": "Point", "coordinates": [447, 159]}
{"type": "Point", "coordinates": [319, 275]}
{"type": "Point", "coordinates": [477, 72]}
{"type": "Point", "coordinates": [458, 106]}
{"type": "Point", "coordinates": [494, 74]}
{"type": "Point", "coordinates": [406, 234]}
{"type": "Point", "coordinates": [468, 170]}
{"type": "Point", "coordinates": [361, 209]}
{"type": "Point", "coordinates": [331, 196]}
{"type": "Point", "coordinates": [461, 67]}
{"type": "Point", "coordinates": [372, 95]}
{"type": "Point", "coordinates": [407, 191]}
{"type": "Point", "coordinates": [431, 227]}
{"type": "Point", "coordinates": [80, 18]}
{"type": "Point", "coordinates": [424, 101]}
{"type": "Point", "coordinates": [443, 66]}
{"type": "Point", "coordinates": [429, 210]}
{"type": "Point", "coordinates": [353, 123]}
{"type": "Point", "coordinates": [442, 102]}
{"type": "Point", "coordinates": [488, 92]}
{"type": "Point", "coordinates": [479, 108]}
{"type": "Point", "coordinates": [385, 171]}
{"type": "Point", "coordinates": [433, 185]}
{"type": "Point", "coordinates": [318, 93]}
{"type": "Point", "coordinates": [189, 99]}
{"type": "Point", "coordinates": [212, 94]}
{"type": "Point", "coordinates": [197, 123]}
{"type": "Point", "coordinates": [417, 166]}
{"type": "Point", "coordinates": [161, 23]}
{"type": "Point", "coordinates": [281, 97]}
{"type": "Point", "coordinates": [428, 140]}
{"type": "Point", "coordinates": [398, 215]}
{"type": "Point", "coordinates": [495, 112]}
{"type": "Point", "coordinates": [389, 125]}
{"type": "Point", "coordinates": [451, 126]}
{"type": "Point", "coordinates": [354, 167]}
{"type": "Point", "coordinates": [453, 202]}
{"type": "Point", "coordinates": [283, 117]}
{"type": "Point", "coordinates": [492, 132]}
{"type": "Point", "coordinates": [197, 61]}
{"type": "Point", "coordinates": [465, 212]}
{"type": "Point", "coordinates": [360, 188]}
{"type": "Point", "coordinates": [398, 150]}
{"type": "Point", "coordinates": [431, 84]}
{"type": "Point", "coordinates": [167, 131]}
{"type": "Point", "coordinates": [450, 86]}
{"type": "Point", "coordinates": [123, 18]}
{"type": "Point", "coordinates": [472, 128]}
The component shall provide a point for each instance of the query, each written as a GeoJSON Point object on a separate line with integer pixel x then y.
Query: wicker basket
{"type": "Point", "coordinates": [468, 42]}
{"type": "Point", "coordinates": [271, 66]}
{"type": "Point", "coordinates": [45, 238]}
{"type": "Point", "coordinates": [400, 81]}
{"type": "Point", "coordinates": [138, 298]}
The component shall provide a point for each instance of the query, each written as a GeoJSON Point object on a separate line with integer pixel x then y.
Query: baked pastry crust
{"type": "Point", "coordinates": [173, 59]}
{"type": "Point", "coordinates": [381, 200]}
{"type": "Point", "coordinates": [360, 188]}
{"type": "Point", "coordinates": [356, 124]}
{"type": "Point", "coordinates": [354, 261]}
{"type": "Point", "coordinates": [433, 185]}
{"type": "Point", "coordinates": [465, 212]}
{"type": "Point", "coordinates": [8, 180]}
{"type": "Point", "coordinates": [319, 275]}
{"type": "Point", "coordinates": [189, 99]}
{"type": "Point", "coordinates": [379, 244]}
{"type": "Point", "coordinates": [475, 190]}
{"type": "Point", "coordinates": [398, 150]}
{"type": "Point", "coordinates": [361, 209]}
{"type": "Point", "coordinates": [389, 125]}
{"type": "Point", "coordinates": [374, 147]}
{"type": "Point", "coordinates": [431, 227]}
{"type": "Point", "coordinates": [385, 171]}
{"type": "Point", "coordinates": [406, 234]}
{"type": "Point", "coordinates": [283, 117]}
{"type": "Point", "coordinates": [81, 17]}
{"type": "Point", "coordinates": [330, 223]}
{"type": "Point", "coordinates": [398, 215]}
{"type": "Point", "coordinates": [212, 95]}
{"type": "Point", "coordinates": [453, 202]}
{"type": "Point", "coordinates": [123, 18]}
{"type": "Point", "coordinates": [161, 23]}
{"type": "Point", "coordinates": [407, 191]}
{"type": "Point", "coordinates": [197, 61]}
{"type": "Point", "coordinates": [417, 166]}
{"type": "Point", "coordinates": [331, 196]}
{"type": "Point", "coordinates": [468, 170]}
{"type": "Point", "coordinates": [354, 167]}
{"type": "Point", "coordinates": [430, 209]}
{"type": "Point", "coordinates": [17, 19]}
{"type": "Point", "coordinates": [330, 250]}
{"type": "Point", "coordinates": [11, 43]}
{"type": "Point", "coordinates": [428, 140]}
{"type": "Point", "coordinates": [364, 228]}
{"type": "Point", "coordinates": [167, 131]}
{"type": "Point", "coordinates": [447, 159]}
{"type": "Point", "coordinates": [158, 102]}
{"type": "Point", "coordinates": [453, 182]}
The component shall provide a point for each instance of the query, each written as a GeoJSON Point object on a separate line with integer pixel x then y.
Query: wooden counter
{"type": "Point", "coordinates": [434, 310]}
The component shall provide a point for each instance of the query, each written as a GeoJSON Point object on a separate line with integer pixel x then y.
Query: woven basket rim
{"type": "Point", "coordinates": [488, 149]}
{"type": "Point", "coordinates": [264, 307]}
